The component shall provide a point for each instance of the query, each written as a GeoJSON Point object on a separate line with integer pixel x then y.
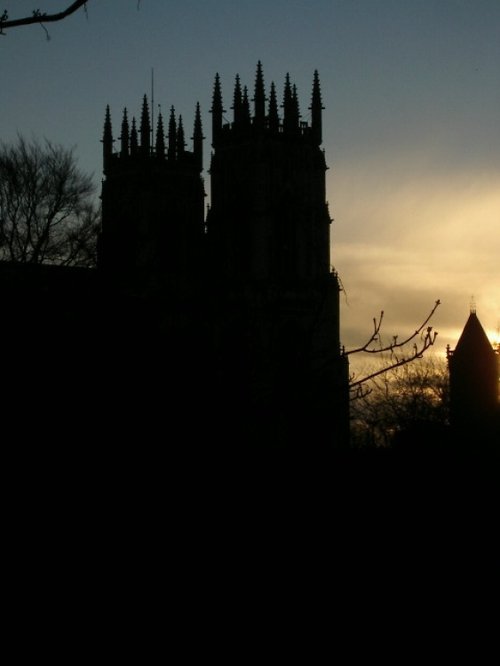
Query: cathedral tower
{"type": "Point", "coordinates": [268, 233]}
{"type": "Point", "coordinates": [152, 201]}
{"type": "Point", "coordinates": [269, 219]}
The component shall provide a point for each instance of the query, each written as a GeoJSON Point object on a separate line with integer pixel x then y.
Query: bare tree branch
{"type": "Point", "coordinates": [417, 352]}
{"type": "Point", "coordinates": [427, 339]}
{"type": "Point", "coordinates": [40, 17]}
{"type": "Point", "coordinates": [414, 395]}
{"type": "Point", "coordinates": [394, 344]}
{"type": "Point", "coordinates": [46, 207]}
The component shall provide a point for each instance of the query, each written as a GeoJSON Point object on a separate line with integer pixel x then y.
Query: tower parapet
{"type": "Point", "coordinates": [266, 120]}
{"type": "Point", "coordinates": [137, 143]}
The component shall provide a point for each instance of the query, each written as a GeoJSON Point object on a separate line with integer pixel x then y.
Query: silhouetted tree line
{"type": "Point", "coordinates": [410, 398]}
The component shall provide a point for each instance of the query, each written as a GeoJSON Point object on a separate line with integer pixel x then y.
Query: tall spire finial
{"type": "Point", "coordinates": [107, 139]}
{"type": "Point", "coordinates": [181, 143]}
{"type": "Point", "coordinates": [172, 136]}
{"type": "Point", "coordinates": [472, 304]}
{"type": "Point", "coordinates": [160, 138]}
{"type": "Point", "coordinates": [145, 128]}
{"type": "Point", "coordinates": [274, 121]}
{"type": "Point", "coordinates": [125, 135]}
{"type": "Point", "coordinates": [152, 106]}
{"type": "Point", "coordinates": [295, 107]}
{"type": "Point", "coordinates": [237, 101]}
{"type": "Point", "coordinates": [287, 105]}
{"type": "Point", "coordinates": [259, 97]}
{"type": "Point", "coordinates": [316, 108]}
{"type": "Point", "coordinates": [245, 107]}
{"type": "Point", "coordinates": [134, 142]}
{"type": "Point", "coordinates": [216, 110]}
{"type": "Point", "coordinates": [198, 138]}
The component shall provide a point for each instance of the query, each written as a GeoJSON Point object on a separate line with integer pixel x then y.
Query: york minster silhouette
{"type": "Point", "coordinates": [221, 326]}
{"type": "Point", "coordinates": [208, 326]}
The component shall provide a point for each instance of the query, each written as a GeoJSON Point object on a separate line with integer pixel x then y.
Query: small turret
{"type": "Point", "coordinates": [124, 138]}
{"type": "Point", "coordinates": [145, 128]}
{"type": "Point", "coordinates": [217, 111]}
{"type": "Point", "coordinates": [160, 138]}
{"type": "Point", "coordinates": [172, 136]}
{"type": "Point", "coordinates": [259, 99]}
{"type": "Point", "coordinates": [198, 139]}
{"type": "Point", "coordinates": [107, 140]}
{"type": "Point", "coordinates": [316, 108]}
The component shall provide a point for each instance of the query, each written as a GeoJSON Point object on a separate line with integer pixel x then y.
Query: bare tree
{"type": "Point", "coordinates": [47, 213]}
{"type": "Point", "coordinates": [395, 353]}
{"type": "Point", "coordinates": [39, 17]}
{"type": "Point", "coordinates": [399, 399]}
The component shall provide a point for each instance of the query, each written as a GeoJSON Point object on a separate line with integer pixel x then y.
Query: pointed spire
{"type": "Point", "coordinates": [237, 102]}
{"type": "Point", "coordinates": [134, 141]}
{"type": "Point", "coordinates": [160, 138]}
{"type": "Point", "coordinates": [287, 105]}
{"type": "Point", "coordinates": [181, 143]}
{"type": "Point", "coordinates": [245, 108]}
{"type": "Point", "coordinates": [172, 135]}
{"type": "Point", "coordinates": [107, 139]}
{"type": "Point", "coordinates": [217, 110]}
{"type": "Point", "coordinates": [259, 97]}
{"type": "Point", "coordinates": [198, 138]}
{"type": "Point", "coordinates": [316, 108]}
{"type": "Point", "coordinates": [274, 121]}
{"type": "Point", "coordinates": [108, 132]}
{"type": "Point", "coordinates": [145, 128]}
{"type": "Point", "coordinates": [124, 138]}
{"type": "Point", "coordinates": [295, 107]}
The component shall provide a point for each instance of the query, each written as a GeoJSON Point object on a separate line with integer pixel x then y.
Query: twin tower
{"type": "Point", "coordinates": [268, 219]}
{"type": "Point", "coordinates": [244, 299]}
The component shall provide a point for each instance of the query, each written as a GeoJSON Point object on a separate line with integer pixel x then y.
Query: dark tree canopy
{"type": "Point", "coordinates": [401, 398]}
{"type": "Point", "coordinates": [47, 212]}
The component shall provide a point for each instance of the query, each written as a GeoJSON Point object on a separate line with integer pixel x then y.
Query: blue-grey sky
{"type": "Point", "coordinates": [411, 124]}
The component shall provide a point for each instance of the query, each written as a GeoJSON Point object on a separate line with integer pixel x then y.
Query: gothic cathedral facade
{"type": "Point", "coordinates": [245, 301]}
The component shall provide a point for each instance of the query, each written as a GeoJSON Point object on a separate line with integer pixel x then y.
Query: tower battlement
{"type": "Point", "coordinates": [139, 147]}
{"type": "Point", "coordinates": [265, 118]}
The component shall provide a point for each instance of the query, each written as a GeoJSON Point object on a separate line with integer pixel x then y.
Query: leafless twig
{"type": "Point", "coordinates": [39, 16]}
{"type": "Point", "coordinates": [427, 338]}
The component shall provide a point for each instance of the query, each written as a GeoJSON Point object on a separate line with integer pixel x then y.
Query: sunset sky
{"type": "Point", "coordinates": [411, 126]}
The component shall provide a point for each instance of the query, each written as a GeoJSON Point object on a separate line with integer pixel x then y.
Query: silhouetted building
{"type": "Point", "coordinates": [473, 371]}
{"type": "Point", "coordinates": [222, 329]}
{"type": "Point", "coordinates": [249, 291]}
{"type": "Point", "coordinates": [152, 203]}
